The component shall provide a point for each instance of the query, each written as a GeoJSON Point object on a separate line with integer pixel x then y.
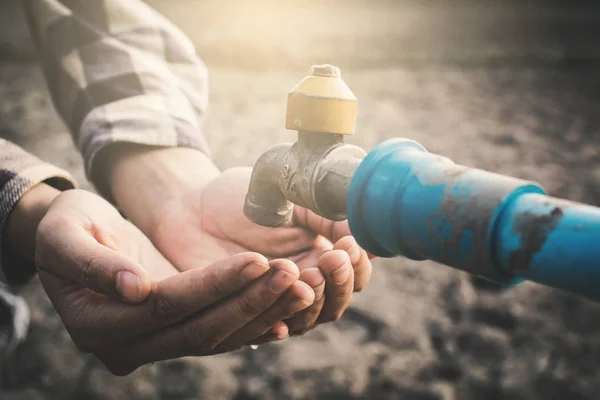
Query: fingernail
{"type": "Point", "coordinates": [254, 270]}
{"type": "Point", "coordinates": [297, 305]}
{"type": "Point", "coordinates": [129, 285]}
{"type": "Point", "coordinates": [281, 281]}
{"type": "Point", "coordinates": [341, 274]}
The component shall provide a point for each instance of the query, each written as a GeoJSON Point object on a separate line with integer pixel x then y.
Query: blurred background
{"type": "Point", "coordinates": [508, 86]}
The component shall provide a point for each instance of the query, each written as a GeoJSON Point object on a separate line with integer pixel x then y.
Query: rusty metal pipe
{"type": "Point", "coordinates": [402, 200]}
{"type": "Point", "coordinates": [406, 201]}
{"type": "Point", "coordinates": [332, 187]}
{"type": "Point", "coordinates": [266, 203]}
{"type": "Point", "coordinates": [315, 172]}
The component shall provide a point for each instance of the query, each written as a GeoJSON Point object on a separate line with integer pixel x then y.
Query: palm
{"type": "Point", "coordinates": [105, 224]}
{"type": "Point", "coordinates": [132, 243]}
{"type": "Point", "coordinates": [208, 224]}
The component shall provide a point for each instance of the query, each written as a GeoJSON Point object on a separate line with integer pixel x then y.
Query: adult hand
{"type": "Point", "coordinates": [202, 219]}
{"type": "Point", "coordinates": [120, 299]}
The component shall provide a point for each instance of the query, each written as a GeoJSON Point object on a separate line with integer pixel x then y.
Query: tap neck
{"type": "Point", "coordinates": [311, 140]}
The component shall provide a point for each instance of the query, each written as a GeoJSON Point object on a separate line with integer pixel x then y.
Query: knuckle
{"type": "Point", "coordinates": [247, 305]}
{"type": "Point", "coordinates": [161, 308]}
{"type": "Point", "coordinates": [197, 339]}
{"type": "Point", "coordinates": [250, 257]}
{"type": "Point", "coordinates": [344, 292]}
{"type": "Point", "coordinates": [88, 271]}
{"type": "Point", "coordinates": [215, 287]}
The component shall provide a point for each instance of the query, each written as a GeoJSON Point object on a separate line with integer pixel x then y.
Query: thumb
{"type": "Point", "coordinates": [68, 250]}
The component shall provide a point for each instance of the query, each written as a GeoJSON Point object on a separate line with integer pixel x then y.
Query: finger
{"type": "Point", "coordinates": [286, 241]}
{"type": "Point", "coordinates": [200, 335]}
{"type": "Point", "coordinates": [310, 258]}
{"type": "Point", "coordinates": [189, 292]}
{"type": "Point", "coordinates": [281, 243]}
{"type": "Point", "coordinates": [297, 298]}
{"type": "Point", "coordinates": [360, 261]}
{"type": "Point", "coordinates": [278, 332]}
{"type": "Point", "coordinates": [68, 250]}
{"type": "Point", "coordinates": [171, 300]}
{"type": "Point", "coordinates": [339, 286]}
{"type": "Point", "coordinates": [305, 320]}
{"type": "Point", "coordinates": [332, 230]}
{"type": "Point", "coordinates": [314, 278]}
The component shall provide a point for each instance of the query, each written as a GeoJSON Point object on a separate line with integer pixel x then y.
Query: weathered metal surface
{"type": "Point", "coordinates": [403, 200]}
{"type": "Point", "coordinates": [315, 172]}
{"type": "Point", "coordinates": [551, 241]}
{"type": "Point", "coordinates": [406, 201]}
{"type": "Point", "coordinates": [265, 202]}
{"type": "Point", "coordinates": [534, 230]}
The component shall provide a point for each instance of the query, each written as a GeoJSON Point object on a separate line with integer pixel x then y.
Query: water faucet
{"type": "Point", "coordinates": [315, 172]}
{"type": "Point", "coordinates": [401, 200]}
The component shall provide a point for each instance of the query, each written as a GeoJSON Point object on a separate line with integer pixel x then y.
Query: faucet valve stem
{"type": "Point", "coordinates": [322, 103]}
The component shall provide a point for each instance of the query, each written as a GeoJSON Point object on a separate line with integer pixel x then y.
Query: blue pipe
{"type": "Point", "coordinates": [406, 201]}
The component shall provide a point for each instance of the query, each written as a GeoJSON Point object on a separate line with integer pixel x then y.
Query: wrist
{"type": "Point", "coordinates": [21, 227]}
{"type": "Point", "coordinates": [142, 179]}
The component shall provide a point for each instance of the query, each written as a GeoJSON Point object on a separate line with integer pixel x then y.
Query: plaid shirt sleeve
{"type": "Point", "coordinates": [119, 72]}
{"type": "Point", "coordinates": [19, 172]}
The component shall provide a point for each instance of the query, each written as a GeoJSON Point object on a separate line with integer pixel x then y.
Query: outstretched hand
{"type": "Point", "coordinates": [206, 224]}
{"type": "Point", "coordinates": [120, 299]}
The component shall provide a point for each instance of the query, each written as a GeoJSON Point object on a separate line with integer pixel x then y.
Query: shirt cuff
{"type": "Point", "coordinates": [13, 185]}
{"type": "Point", "coordinates": [132, 123]}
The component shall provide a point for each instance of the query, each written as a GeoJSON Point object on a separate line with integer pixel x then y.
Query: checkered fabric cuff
{"type": "Point", "coordinates": [19, 172]}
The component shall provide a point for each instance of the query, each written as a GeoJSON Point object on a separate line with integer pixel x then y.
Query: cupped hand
{"type": "Point", "coordinates": [208, 223]}
{"type": "Point", "coordinates": [120, 299]}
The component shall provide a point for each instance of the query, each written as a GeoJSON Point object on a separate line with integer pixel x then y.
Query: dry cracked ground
{"type": "Point", "coordinates": [509, 88]}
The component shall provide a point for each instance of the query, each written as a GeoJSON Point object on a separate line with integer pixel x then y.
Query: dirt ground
{"type": "Point", "coordinates": [508, 88]}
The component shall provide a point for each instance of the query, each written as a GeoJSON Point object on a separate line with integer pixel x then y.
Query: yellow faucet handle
{"type": "Point", "coordinates": [322, 103]}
